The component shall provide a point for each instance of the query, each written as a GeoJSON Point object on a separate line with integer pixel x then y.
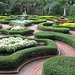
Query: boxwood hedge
{"type": "Point", "coordinates": [0, 26]}
{"type": "Point", "coordinates": [60, 65]}
{"type": "Point", "coordinates": [3, 21]}
{"type": "Point", "coordinates": [28, 23]}
{"type": "Point", "coordinates": [42, 26]}
{"type": "Point", "coordinates": [56, 36]}
{"type": "Point", "coordinates": [12, 61]}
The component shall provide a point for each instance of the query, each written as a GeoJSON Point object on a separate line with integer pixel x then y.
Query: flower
{"type": "Point", "coordinates": [18, 28]}
{"type": "Point", "coordinates": [67, 24]}
{"type": "Point", "coordinates": [12, 44]}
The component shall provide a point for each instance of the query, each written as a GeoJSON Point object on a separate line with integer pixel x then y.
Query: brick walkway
{"type": "Point", "coordinates": [5, 26]}
{"type": "Point", "coordinates": [72, 32]}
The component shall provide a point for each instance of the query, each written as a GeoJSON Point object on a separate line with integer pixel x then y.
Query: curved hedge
{"type": "Point", "coordinates": [22, 32]}
{"type": "Point", "coordinates": [28, 23]}
{"type": "Point", "coordinates": [3, 21]}
{"type": "Point", "coordinates": [12, 61]}
{"type": "Point", "coordinates": [35, 22]}
{"type": "Point", "coordinates": [56, 36]}
{"type": "Point", "coordinates": [42, 26]}
{"type": "Point", "coordinates": [60, 65]}
{"type": "Point", "coordinates": [0, 26]}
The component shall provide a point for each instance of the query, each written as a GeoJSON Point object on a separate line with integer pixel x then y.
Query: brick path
{"type": "Point", "coordinates": [72, 32]}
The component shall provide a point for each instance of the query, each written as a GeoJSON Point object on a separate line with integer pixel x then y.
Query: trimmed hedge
{"type": "Point", "coordinates": [35, 22]}
{"type": "Point", "coordinates": [22, 32]}
{"type": "Point", "coordinates": [28, 23]}
{"type": "Point", "coordinates": [42, 26]}
{"type": "Point", "coordinates": [0, 26]}
{"type": "Point", "coordinates": [16, 24]}
{"type": "Point", "coordinates": [56, 36]}
{"type": "Point", "coordinates": [3, 21]}
{"type": "Point", "coordinates": [70, 27]}
{"type": "Point", "coordinates": [60, 65]}
{"type": "Point", "coordinates": [17, 58]}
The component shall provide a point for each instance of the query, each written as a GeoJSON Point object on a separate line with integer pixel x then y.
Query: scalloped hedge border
{"type": "Point", "coordinates": [42, 26]}
{"type": "Point", "coordinates": [14, 60]}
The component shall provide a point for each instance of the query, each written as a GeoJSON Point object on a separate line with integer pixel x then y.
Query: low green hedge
{"type": "Point", "coordinates": [33, 17]}
{"type": "Point", "coordinates": [22, 32]}
{"type": "Point", "coordinates": [3, 21]}
{"type": "Point", "coordinates": [56, 36]}
{"type": "Point", "coordinates": [0, 26]}
{"type": "Point", "coordinates": [43, 26]}
{"type": "Point", "coordinates": [16, 24]}
{"type": "Point", "coordinates": [70, 27]}
{"type": "Point", "coordinates": [60, 65]}
{"type": "Point", "coordinates": [12, 61]}
{"type": "Point", "coordinates": [35, 22]}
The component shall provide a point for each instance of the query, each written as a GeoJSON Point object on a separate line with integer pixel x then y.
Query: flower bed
{"type": "Point", "coordinates": [3, 16]}
{"type": "Point", "coordinates": [12, 44]}
{"type": "Point", "coordinates": [45, 16]}
{"type": "Point", "coordinates": [60, 20]}
{"type": "Point", "coordinates": [67, 24]}
{"type": "Point", "coordinates": [60, 65]}
{"type": "Point", "coordinates": [11, 62]}
{"type": "Point", "coordinates": [18, 28]}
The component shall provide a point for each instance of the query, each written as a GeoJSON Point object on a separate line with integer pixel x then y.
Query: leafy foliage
{"type": "Point", "coordinates": [15, 8]}
{"type": "Point", "coordinates": [72, 11]}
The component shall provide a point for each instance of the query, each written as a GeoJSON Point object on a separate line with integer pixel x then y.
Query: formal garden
{"type": "Point", "coordinates": [37, 37]}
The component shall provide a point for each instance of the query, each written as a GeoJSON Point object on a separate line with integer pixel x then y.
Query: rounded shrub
{"type": "Point", "coordinates": [60, 65]}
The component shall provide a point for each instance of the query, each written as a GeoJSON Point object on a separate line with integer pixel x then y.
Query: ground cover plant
{"type": "Point", "coordinates": [50, 48]}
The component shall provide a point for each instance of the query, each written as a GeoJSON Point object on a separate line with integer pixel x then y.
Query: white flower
{"type": "Point", "coordinates": [11, 44]}
{"type": "Point", "coordinates": [18, 28]}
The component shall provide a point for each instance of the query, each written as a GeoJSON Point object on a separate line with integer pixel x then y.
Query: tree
{"type": "Point", "coordinates": [3, 6]}
{"type": "Point", "coordinates": [3, 12]}
{"type": "Point", "coordinates": [15, 8]}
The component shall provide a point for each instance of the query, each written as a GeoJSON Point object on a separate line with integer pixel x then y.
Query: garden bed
{"type": "Point", "coordinates": [50, 48]}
